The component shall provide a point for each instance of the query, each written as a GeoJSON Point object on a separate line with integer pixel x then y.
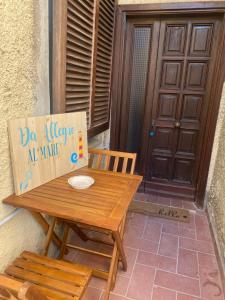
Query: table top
{"type": "Point", "coordinates": [104, 204]}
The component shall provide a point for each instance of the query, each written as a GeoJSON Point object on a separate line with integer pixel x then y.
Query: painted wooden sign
{"type": "Point", "coordinates": [46, 147]}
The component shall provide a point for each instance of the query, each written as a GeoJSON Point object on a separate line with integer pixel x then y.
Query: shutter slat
{"type": "Point", "coordinates": [78, 50]}
{"type": "Point", "coordinates": [80, 18]}
{"type": "Point", "coordinates": [80, 38]}
{"type": "Point", "coordinates": [76, 8]}
{"type": "Point", "coordinates": [107, 10]}
{"type": "Point", "coordinates": [103, 62]}
{"type": "Point", "coordinates": [78, 44]}
{"type": "Point", "coordinates": [77, 95]}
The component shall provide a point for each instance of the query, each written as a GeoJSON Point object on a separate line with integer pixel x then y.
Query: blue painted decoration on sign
{"type": "Point", "coordinates": [74, 158]}
{"type": "Point", "coordinates": [25, 183]}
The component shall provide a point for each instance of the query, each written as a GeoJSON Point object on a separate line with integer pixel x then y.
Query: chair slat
{"type": "Point", "coordinates": [43, 280]}
{"type": "Point", "coordinates": [124, 169]}
{"type": "Point", "coordinates": [116, 162]}
{"type": "Point", "coordinates": [99, 160]}
{"type": "Point", "coordinates": [50, 272]}
{"type": "Point", "coordinates": [91, 160]}
{"type": "Point", "coordinates": [59, 264]}
{"type": "Point", "coordinates": [133, 166]}
{"type": "Point", "coordinates": [107, 162]}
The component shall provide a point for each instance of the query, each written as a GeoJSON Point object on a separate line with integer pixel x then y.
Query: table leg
{"type": "Point", "coordinates": [64, 239]}
{"type": "Point", "coordinates": [115, 260]}
{"type": "Point", "coordinates": [118, 241]}
{"type": "Point", "coordinates": [49, 237]}
{"type": "Point", "coordinates": [111, 272]}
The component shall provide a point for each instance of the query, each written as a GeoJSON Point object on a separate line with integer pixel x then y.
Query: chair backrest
{"type": "Point", "coordinates": [116, 161]}
{"type": "Point", "coordinates": [11, 289]}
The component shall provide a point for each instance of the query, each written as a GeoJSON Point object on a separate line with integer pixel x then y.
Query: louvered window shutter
{"type": "Point", "coordinates": [83, 33]}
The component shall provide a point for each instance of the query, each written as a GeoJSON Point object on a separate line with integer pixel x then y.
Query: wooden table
{"type": "Point", "coordinates": [103, 205]}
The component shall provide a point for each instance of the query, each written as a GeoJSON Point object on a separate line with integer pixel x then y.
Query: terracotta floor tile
{"type": "Point", "coordinates": [202, 228]}
{"type": "Point", "coordinates": [191, 223]}
{"type": "Point", "coordinates": [140, 244]}
{"type": "Point", "coordinates": [179, 229]}
{"type": "Point", "coordinates": [131, 255]}
{"type": "Point", "coordinates": [92, 294]}
{"type": "Point", "coordinates": [177, 282]}
{"type": "Point", "coordinates": [135, 231]}
{"type": "Point", "coordinates": [171, 228]}
{"type": "Point", "coordinates": [188, 263]}
{"type": "Point", "coordinates": [163, 221]}
{"type": "Point", "coordinates": [92, 260]}
{"type": "Point", "coordinates": [168, 245]}
{"type": "Point", "coordinates": [97, 283]}
{"type": "Point", "coordinates": [157, 261]}
{"type": "Point", "coordinates": [121, 285]}
{"type": "Point", "coordinates": [201, 246]}
{"type": "Point", "coordinates": [141, 283]}
{"type": "Point", "coordinates": [185, 231]}
{"type": "Point", "coordinates": [163, 294]}
{"type": "Point", "coordinates": [137, 220]}
{"type": "Point", "coordinates": [189, 205]}
{"type": "Point", "coordinates": [152, 231]}
{"type": "Point", "coordinates": [207, 260]}
{"type": "Point", "coordinates": [211, 287]}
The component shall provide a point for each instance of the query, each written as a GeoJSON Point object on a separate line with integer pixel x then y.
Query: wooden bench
{"type": "Point", "coordinates": [56, 279]}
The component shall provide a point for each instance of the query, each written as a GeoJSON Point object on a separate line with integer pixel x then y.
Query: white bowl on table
{"type": "Point", "coordinates": [81, 182]}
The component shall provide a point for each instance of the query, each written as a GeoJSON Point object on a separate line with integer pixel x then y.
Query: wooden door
{"type": "Point", "coordinates": [167, 75]}
{"type": "Point", "coordinates": [179, 105]}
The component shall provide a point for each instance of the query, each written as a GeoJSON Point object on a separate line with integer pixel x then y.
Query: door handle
{"type": "Point", "coordinates": [153, 131]}
{"type": "Point", "coordinates": [177, 124]}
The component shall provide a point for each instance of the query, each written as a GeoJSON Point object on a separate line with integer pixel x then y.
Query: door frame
{"type": "Point", "coordinates": [216, 8]}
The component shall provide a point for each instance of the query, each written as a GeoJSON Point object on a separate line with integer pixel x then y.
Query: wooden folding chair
{"type": "Point", "coordinates": [115, 161]}
{"type": "Point", "coordinates": [55, 279]}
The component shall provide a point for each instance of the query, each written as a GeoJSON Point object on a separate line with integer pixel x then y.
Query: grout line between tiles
{"type": "Point", "coordinates": [135, 261]}
{"type": "Point", "coordinates": [153, 284]}
{"type": "Point", "coordinates": [178, 248]}
{"type": "Point", "coordinates": [160, 238]}
{"type": "Point", "coordinates": [185, 276]}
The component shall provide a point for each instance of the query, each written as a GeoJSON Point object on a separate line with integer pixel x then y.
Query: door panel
{"type": "Point", "coordinates": [171, 74]}
{"type": "Point", "coordinates": [196, 75]}
{"type": "Point", "coordinates": [175, 39]}
{"type": "Point", "coordinates": [201, 39]}
{"type": "Point", "coordinates": [167, 107]}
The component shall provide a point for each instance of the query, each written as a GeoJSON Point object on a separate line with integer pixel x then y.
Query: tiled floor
{"type": "Point", "coordinates": [166, 259]}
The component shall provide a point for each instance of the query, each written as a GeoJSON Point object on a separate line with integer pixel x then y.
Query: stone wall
{"type": "Point", "coordinates": [24, 91]}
